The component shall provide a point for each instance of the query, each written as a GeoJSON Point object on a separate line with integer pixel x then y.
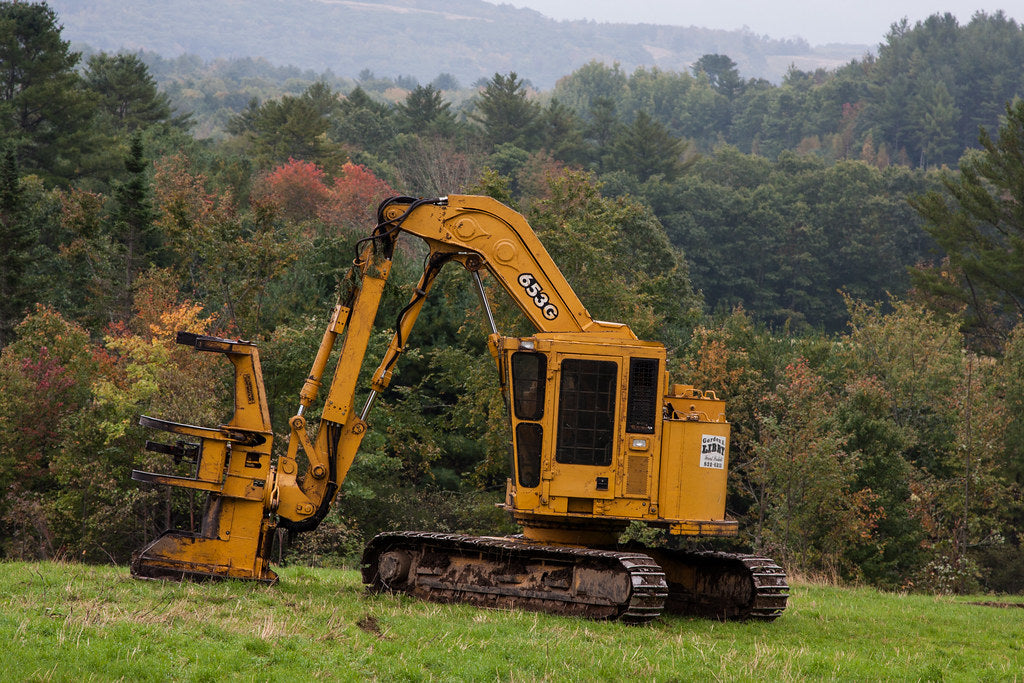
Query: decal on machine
{"type": "Point", "coordinates": [540, 299]}
{"type": "Point", "coordinates": [712, 452]}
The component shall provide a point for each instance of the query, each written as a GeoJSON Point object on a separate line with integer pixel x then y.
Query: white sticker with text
{"type": "Point", "coordinates": [712, 452]}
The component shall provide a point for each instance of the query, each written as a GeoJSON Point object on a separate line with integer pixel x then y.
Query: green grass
{"type": "Point", "coordinates": [75, 622]}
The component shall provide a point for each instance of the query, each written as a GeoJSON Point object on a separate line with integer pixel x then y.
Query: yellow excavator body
{"type": "Point", "coordinates": [600, 439]}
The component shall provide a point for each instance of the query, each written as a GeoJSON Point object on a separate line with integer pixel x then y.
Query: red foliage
{"type": "Point", "coordinates": [49, 381]}
{"type": "Point", "coordinates": [296, 190]}
{"type": "Point", "coordinates": [40, 391]}
{"type": "Point", "coordinates": [353, 198]}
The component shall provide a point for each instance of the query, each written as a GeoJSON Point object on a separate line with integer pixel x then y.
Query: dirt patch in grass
{"type": "Point", "coordinates": [370, 624]}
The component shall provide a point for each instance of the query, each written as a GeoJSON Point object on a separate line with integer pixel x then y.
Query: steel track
{"type": "Point", "coordinates": [510, 574]}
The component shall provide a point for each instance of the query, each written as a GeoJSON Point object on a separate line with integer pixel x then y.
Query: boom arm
{"type": "Point", "coordinates": [479, 233]}
{"type": "Point", "coordinates": [482, 232]}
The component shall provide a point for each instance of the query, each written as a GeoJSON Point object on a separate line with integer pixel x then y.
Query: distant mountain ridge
{"type": "Point", "coordinates": [469, 39]}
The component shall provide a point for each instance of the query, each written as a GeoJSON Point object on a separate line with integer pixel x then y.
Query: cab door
{"type": "Point", "coordinates": [586, 427]}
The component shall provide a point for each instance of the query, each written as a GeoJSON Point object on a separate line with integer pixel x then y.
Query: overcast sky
{"type": "Point", "coordinates": [836, 21]}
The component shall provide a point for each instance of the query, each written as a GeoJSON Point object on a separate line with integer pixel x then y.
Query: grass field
{"type": "Point", "coordinates": [75, 622]}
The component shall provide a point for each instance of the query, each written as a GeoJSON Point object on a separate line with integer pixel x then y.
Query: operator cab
{"type": "Point", "coordinates": [589, 425]}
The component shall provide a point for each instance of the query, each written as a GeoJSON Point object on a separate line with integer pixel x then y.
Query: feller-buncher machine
{"type": "Point", "coordinates": [600, 439]}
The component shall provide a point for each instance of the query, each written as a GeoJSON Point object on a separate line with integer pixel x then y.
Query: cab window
{"type": "Point", "coordinates": [529, 372]}
{"type": "Point", "coordinates": [586, 412]}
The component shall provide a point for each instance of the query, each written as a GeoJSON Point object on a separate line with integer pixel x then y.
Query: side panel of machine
{"type": "Point", "coordinates": [694, 469]}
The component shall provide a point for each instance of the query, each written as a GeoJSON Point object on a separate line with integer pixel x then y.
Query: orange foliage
{"type": "Point", "coordinates": [189, 216]}
{"type": "Point", "coordinates": [715, 365]}
{"type": "Point", "coordinates": [158, 315]}
{"type": "Point", "coordinates": [81, 212]}
{"type": "Point", "coordinates": [182, 196]}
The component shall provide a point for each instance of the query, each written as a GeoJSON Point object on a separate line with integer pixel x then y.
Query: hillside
{"type": "Point", "coordinates": [469, 39]}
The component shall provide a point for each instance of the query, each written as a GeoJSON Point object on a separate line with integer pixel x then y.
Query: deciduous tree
{"type": "Point", "coordinates": [45, 373]}
{"type": "Point", "coordinates": [352, 200]}
{"type": "Point", "coordinates": [809, 510]}
{"type": "Point", "coordinates": [296, 190]}
{"type": "Point", "coordinates": [617, 257]}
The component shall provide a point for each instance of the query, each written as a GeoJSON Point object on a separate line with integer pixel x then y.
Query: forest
{"type": "Point", "coordinates": [838, 256]}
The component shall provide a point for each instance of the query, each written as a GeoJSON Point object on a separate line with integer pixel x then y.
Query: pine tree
{"type": "Point", "coordinates": [133, 223]}
{"type": "Point", "coordinates": [18, 237]}
{"type": "Point", "coordinates": [507, 114]}
{"type": "Point", "coordinates": [45, 114]}
{"type": "Point", "coordinates": [128, 96]}
{"type": "Point", "coordinates": [721, 73]}
{"type": "Point", "coordinates": [646, 148]}
{"type": "Point", "coordinates": [424, 111]}
{"type": "Point", "coordinates": [979, 222]}
{"type": "Point", "coordinates": [304, 127]}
